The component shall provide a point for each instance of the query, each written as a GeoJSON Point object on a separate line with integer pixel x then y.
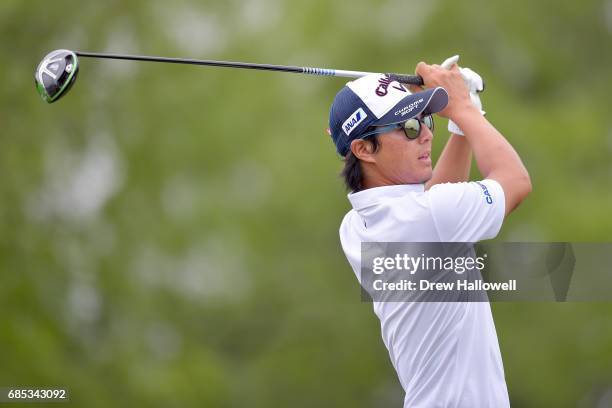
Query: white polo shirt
{"type": "Point", "coordinates": [445, 354]}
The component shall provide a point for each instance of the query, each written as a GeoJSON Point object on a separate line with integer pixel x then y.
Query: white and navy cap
{"type": "Point", "coordinates": [375, 100]}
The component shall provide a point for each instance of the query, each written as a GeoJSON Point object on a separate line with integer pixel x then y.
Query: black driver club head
{"type": "Point", "coordinates": [55, 74]}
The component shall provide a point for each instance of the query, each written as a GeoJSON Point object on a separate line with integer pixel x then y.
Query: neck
{"type": "Point", "coordinates": [371, 183]}
{"type": "Point", "coordinates": [377, 180]}
{"type": "Point", "coordinates": [372, 179]}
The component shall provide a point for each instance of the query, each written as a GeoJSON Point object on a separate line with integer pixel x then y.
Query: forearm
{"type": "Point", "coordinates": [495, 157]}
{"type": "Point", "coordinates": [454, 163]}
{"type": "Point", "coordinates": [491, 150]}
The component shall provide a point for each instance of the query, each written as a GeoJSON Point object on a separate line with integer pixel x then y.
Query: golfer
{"type": "Point", "coordinates": [445, 354]}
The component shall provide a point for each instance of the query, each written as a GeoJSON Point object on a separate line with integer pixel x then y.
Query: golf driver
{"type": "Point", "coordinates": [58, 70]}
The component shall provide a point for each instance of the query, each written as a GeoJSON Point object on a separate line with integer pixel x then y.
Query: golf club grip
{"type": "Point", "coordinates": [407, 79]}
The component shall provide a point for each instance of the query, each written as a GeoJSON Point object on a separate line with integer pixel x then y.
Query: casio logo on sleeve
{"type": "Point", "coordinates": [485, 190]}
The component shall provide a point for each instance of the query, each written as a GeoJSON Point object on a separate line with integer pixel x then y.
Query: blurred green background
{"type": "Point", "coordinates": [169, 234]}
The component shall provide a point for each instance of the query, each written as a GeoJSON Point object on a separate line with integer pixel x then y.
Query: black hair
{"type": "Point", "coordinates": [352, 173]}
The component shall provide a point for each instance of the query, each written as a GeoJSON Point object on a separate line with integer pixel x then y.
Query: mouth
{"type": "Point", "coordinates": [426, 157]}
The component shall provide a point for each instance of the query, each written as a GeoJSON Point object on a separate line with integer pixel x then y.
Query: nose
{"type": "Point", "coordinates": [426, 135]}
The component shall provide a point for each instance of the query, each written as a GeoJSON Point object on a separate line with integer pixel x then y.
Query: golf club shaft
{"type": "Point", "coordinates": [405, 79]}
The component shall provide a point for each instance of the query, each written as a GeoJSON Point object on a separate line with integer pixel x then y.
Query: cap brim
{"type": "Point", "coordinates": [427, 102]}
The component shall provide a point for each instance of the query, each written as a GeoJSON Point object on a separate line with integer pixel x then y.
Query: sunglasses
{"type": "Point", "coordinates": [411, 127]}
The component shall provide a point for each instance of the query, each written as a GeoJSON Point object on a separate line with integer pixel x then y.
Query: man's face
{"type": "Point", "coordinates": [400, 160]}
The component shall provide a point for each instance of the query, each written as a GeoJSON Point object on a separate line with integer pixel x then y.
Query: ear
{"type": "Point", "coordinates": [363, 150]}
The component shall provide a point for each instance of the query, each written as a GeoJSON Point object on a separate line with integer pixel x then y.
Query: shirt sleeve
{"type": "Point", "coordinates": [467, 212]}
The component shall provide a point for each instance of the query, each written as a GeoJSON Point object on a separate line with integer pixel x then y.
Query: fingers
{"type": "Point", "coordinates": [427, 72]}
{"type": "Point", "coordinates": [448, 78]}
{"type": "Point", "coordinates": [422, 69]}
{"type": "Point", "coordinates": [431, 74]}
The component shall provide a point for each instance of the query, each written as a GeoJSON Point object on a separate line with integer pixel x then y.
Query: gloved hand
{"type": "Point", "coordinates": [475, 85]}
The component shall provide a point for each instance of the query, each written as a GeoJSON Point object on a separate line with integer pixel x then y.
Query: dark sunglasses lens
{"type": "Point", "coordinates": [429, 122]}
{"type": "Point", "coordinates": [412, 127]}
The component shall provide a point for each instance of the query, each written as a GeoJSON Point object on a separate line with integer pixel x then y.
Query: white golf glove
{"type": "Point", "coordinates": [475, 85]}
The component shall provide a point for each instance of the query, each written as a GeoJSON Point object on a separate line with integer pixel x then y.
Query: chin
{"type": "Point", "coordinates": [420, 179]}
{"type": "Point", "coordinates": [415, 177]}
{"type": "Point", "coordinates": [426, 177]}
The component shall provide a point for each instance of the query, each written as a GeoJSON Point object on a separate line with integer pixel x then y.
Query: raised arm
{"type": "Point", "coordinates": [495, 157]}
{"type": "Point", "coordinates": [454, 163]}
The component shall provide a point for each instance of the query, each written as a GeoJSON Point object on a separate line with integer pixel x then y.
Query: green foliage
{"type": "Point", "coordinates": [169, 234]}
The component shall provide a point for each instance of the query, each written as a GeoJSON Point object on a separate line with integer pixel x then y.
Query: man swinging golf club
{"type": "Point", "coordinates": [445, 354]}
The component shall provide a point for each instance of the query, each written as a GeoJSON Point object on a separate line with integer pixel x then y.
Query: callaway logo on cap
{"type": "Point", "coordinates": [375, 100]}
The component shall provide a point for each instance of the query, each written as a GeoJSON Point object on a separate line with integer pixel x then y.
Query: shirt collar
{"type": "Point", "coordinates": [371, 196]}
